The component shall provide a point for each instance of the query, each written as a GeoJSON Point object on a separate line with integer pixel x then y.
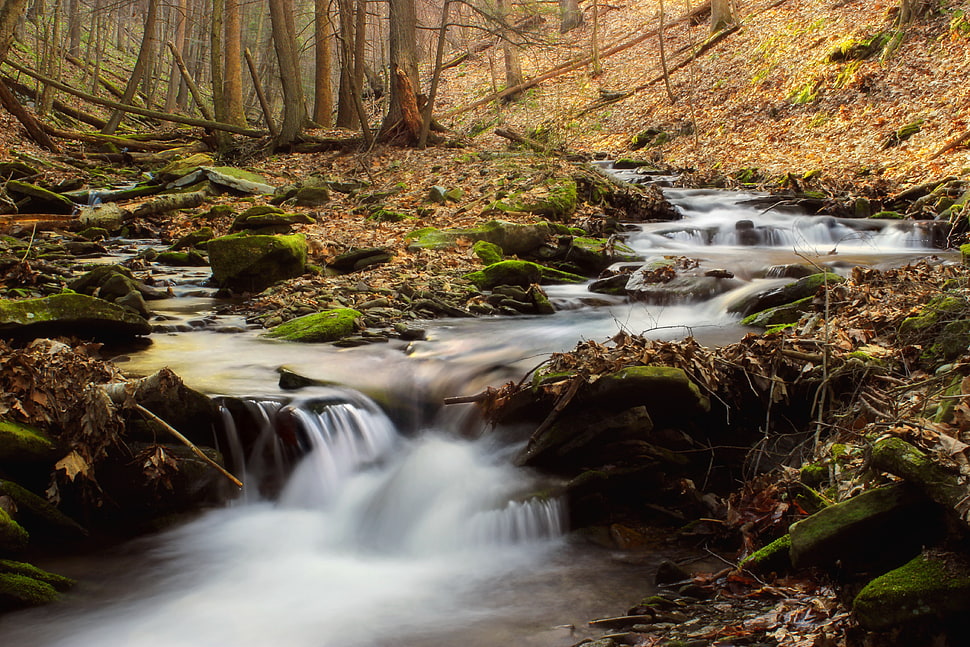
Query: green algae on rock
{"type": "Point", "coordinates": [251, 263]}
{"type": "Point", "coordinates": [19, 442]}
{"type": "Point", "coordinates": [521, 273]}
{"type": "Point", "coordinates": [13, 537]}
{"type": "Point", "coordinates": [327, 326]}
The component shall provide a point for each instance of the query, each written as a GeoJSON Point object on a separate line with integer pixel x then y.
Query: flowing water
{"type": "Point", "coordinates": [413, 530]}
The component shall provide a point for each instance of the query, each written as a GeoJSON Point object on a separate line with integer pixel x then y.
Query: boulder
{"type": "Point", "coordinates": [12, 535]}
{"type": "Point", "coordinates": [269, 219]}
{"type": "Point", "coordinates": [514, 239]}
{"type": "Point", "coordinates": [19, 443]}
{"type": "Point", "coordinates": [228, 177]}
{"type": "Point", "coordinates": [593, 255]}
{"type": "Point", "coordinates": [45, 522]}
{"type": "Point", "coordinates": [70, 314]}
{"type": "Point", "coordinates": [327, 326]}
{"type": "Point", "coordinates": [196, 238]}
{"type": "Point", "coordinates": [92, 281]}
{"type": "Point", "coordinates": [252, 263]}
{"type": "Point", "coordinates": [932, 585]}
{"type": "Point", "coordinates": [521, 273]}
{"type": "Point", "coordinates": [773, 558]}
{"type": "Point", "coordinates": [108, 216]}
{"type": "Point", "coordinates": [682, 289]}
{"type": "Point", "coordinates": [880, 528]}
{"type": "Point", "coordinates": [558, 202]}
{"type": "Point", "coordinates": [796, 290]}
{"type": "Point", "coordinates": [487, 252]}
{"type": "Point", "coordinates": [357, 259]}
{"type": "Point", "coordinates": [666, 392]}
{"type": "Point", "coordinates": [779, 315]}
{"type": "Point", "coordinates": [190, 258]}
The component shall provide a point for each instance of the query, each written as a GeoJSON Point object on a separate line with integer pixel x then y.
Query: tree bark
{"type": "Point", "coordinates": [34, 129]}
{"type": "Point", "coordinates": [10, 12]}
{"type": "Point", "coordinates": [435, 76]}
{"type": "Point", "coordinates": [189, 81]}
{"type": "Point", "coordinates": [263, 103]}
{"type": "Point", "coordinates": [510, 54]}
{"type": "Point", "coordinates": [346, 114]}
{"type": "Point", "coordinates": [177, 45]}
{"type": "Point", "coordinates": [284, 42]}
{"type": "Point", "coordinates": [402, 48]}
{"type": "Point", "coordinates": [323, 63]}
{"type": "Point", "coordinates": [910, 10]}
{"type": "Point", "coordinates": [147, 46]}
{"type": "Point", "coordinates": [571, 16]}
{"type": "Point", "coordinates": [722, 15]}
{"type": "Point", "coordinates": [232, 86]}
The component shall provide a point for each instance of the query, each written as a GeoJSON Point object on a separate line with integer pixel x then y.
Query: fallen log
{"type": "Point", "coordinates": [29, 122]}
{"type": "Point", "coordinates": [161, 116]}
{"type": "Point", "coordinates": [168, 203]}
{"type": "Point", "coordinates": [58, 105]}
{"type": "Point", "coordinates": [97, 138]}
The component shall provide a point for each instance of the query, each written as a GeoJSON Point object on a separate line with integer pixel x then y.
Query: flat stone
{"type": "Point", "coordinates": [69, 314]}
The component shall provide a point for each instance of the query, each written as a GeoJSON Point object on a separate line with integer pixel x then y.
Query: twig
{"type": "Point", "coordinates": [188, 443]}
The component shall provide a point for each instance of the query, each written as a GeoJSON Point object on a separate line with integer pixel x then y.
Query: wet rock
{"type": "Point", "coordinates": [251, 263]}
{"type": "Point", "coordinates": [70, 314]}
{"type": "Point", "coordinates": [789, 271]}
{"type": "Point", "coordinates": [269, 219]}
{"type": "Point", "coordinates": [666, 392]}
{"type": "Point", "coordinates": [855, 532]}
{"type": "Point", "coordinates": [190, 258]}
{"type": "Point", "coordinates": [488, 253]}
{"type": "Point", "coordinates": [514, 239]}
{"type": "Point", "coordinates": [196, 238]}
{"type": "Point", "coordinates": [668, 572]}
{"type": "Point", "coordinates": [788, 293]}
{"type": "Point", "coordinates": [593, 255]}
{"type": "Point", "coordinates": [682, 289]}
{"type": "Point", "coordinates": [785, 314]}
{"type": "Point", "coordinates": [357, 259]}
{"type": "Point", "coordinates": [92, 282]}
{"type": "Point", "coordinates": [615, 285]}
{"type": "Point", "coordinates": [521, 273]}
{"type": "Point", "coordinates": [327, 326]}
{"type": "Point", "coordinates": [22, 443]}
{"type": "Point", "coordinates": [773, 558]}
{"type": "Point", "coordinates": [932, 585]}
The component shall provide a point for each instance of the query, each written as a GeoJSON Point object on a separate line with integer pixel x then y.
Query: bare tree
{"type": "Point", "coordinates": [323, 62]}
{"type": "Point", "coordinates": [722, 15]}
{"type": "Point", "coordinates": [402, 122]}
{"type": "Point", "coordinates": [144, 53]}
{"type": "Point", "coordinates": [232, 71]}
{"type": "Point", "coordinates": [571, 16]}
{"type": "Point", "coordinates": [284, 42]}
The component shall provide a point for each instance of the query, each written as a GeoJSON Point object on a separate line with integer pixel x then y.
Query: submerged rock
{"type": "Point", "coordinates": [70, 314]}
{"type": "Point", "coordinates": [252, 263]}
{"type": "Point", "coordinates": [320, 327]}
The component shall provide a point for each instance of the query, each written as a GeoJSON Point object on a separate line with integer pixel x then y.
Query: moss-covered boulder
{"type": "Point", "coordinates": [92, 283]}
{"type": "Point", "coordinates": [514, 239]}
{"type": "Point", "coordinates": [556, 199]}
{"type": "Point", "coordinates": [358, 259]}
{"type": "Point", "coordinates": [854, 532]}
{"type": "Point", "coordinates": [12, 535]}
{"type": "Point", "coordinates": [898, 457]}
{"type": "Point", "coordinates": [252, 263]}
{"type": "Point", "coordinates": [790, 292]}
{"type": "Point", "coordinates": [19, 591]}
{"type": "Point", "coordinates": [666, 392]}
{"type": "Point", "coordinates": [521, 273]}
{"type": "Point", "coordinates": [197, 238]}
{"type": "Point", "coordinates": [70, 314]}
{"type": "Point", "coordinates": [779, 315]}
{"type": "Point", "coordinates": [593, 255]}
{"type": "Point", "coordinates": [188, 258]}
{"type": "Point", "coordinates": [773, 558]}
{"type": "Point", "coordinates": [931, 585]}
{"type": "Point", "coordinates": [20, 443]}
{"type": "Point", "coordinates": [488, 253]}
{"type": "Point", "coordinates": [327, 326]}
{"type": "Point", "coordinates": [269, 219]}
{"type": "Point", "coordinates": [45, 522]}
{"type": "Point", "coordinates": [178, 168]}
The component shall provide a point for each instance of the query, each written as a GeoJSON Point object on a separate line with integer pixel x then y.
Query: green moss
{"type": "Point", "coordinates": [888, 215]}
{"type": "Point", "coordinates": [253, 262]}
{"type": "Point", "coordinates": [190, 258]}
{"type": "Point", "coordinates": [59, 582]}
{"type": "Point", "coordinates": [12, 535]}
{"type": "Point", "coordinates": [813, 474]}
{"type": "Point", "coordinates": [775, 557]}
{"type": "Point", "coordinates": [559, 202]}
{"type": "Point", "coordinates": [21, 591]}
{"type": "Point", "coordinates": [320, 327]}
{"type": "Point", "coordinates": [932, 313]}
{"type": "Point", "coordinates": [926, 586]}
{"type": "Point", "coordinates": [783, 315]}
{"type": "Point", "coordinates": [780, 327]}
{"type": "Point", "coordinates": [521, 273]}
{"type": "Point", "coordinates": [19, 442]}
{"type": "Point", "coordinates": [488, 253]}
{"type": "Point", "coordinates": [388, 215]}
{"type": "Point", "coordinates": [43, 519]}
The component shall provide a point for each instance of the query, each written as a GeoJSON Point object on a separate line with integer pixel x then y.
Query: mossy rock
{"type": "Point", "coordinates": [521, 273]}
{"type": "Point", "coordinates": [178, 168]}
{"type": "Point", "coordinates": [773, 558]}
{"type": "Point", "coordinates": [13, 537]}
{"type": "Point", "coordinates": [59, 582]}
{"type": "Point", "coordinates": [358, 259]}
{"type": "Point", "coordinates": [190, 258]}
{"type": "Point", "coordinates": [779, 315]}
{"type": "Point", "coordinates": [488, 253]}
{"type": "Point", "coordinates": [933, 318]}
{"type": "Point", "coordinates": [267, 217]}
{"type": "Point", "coordinates": [196, 238]}
{"type": "Point", "coordinates": [41, 198]}
{"type": "Point", "coordinates": [19, 591]}
{"type": "Point", "coordinates": [789, 293]}
{"type": "Point", "coordinates": [931, 585]}
{"type": "Point", "coordinates": [594, 255]}
{"type": "Point", "coordinates": [388, 215]}
{"type": "Point", "coordinates": [559, 202]}
{"type": "Point", "coordinates": [667, 392]}
{"type": "Point", "coordinates": [251, 263]}
{"type": "Point", "coordinates": [514, 239]}
{"type": "Point", "coordinates": [312, 195]}
{"type": "Point", "coordinates": [45, 521]}
{"type": "Point", "coordinates": [19, 442]}
{"type": "Point", "coordinates": [70, 314]}
{"type": "Point", "coordinates": [896, 456]}
{"type": "Point", "coordinates": [320, 327]}
{"type": "Point", "coordinates": [853, 532]}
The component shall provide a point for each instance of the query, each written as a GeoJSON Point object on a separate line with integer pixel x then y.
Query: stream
{"type": "Point", "coordinates": [404, 523]}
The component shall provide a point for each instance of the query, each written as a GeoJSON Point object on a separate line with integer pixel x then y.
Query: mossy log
{"type": "Point", "coordinates": [898, 457]}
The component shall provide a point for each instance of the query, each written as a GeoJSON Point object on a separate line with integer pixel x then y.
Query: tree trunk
{"type": "Point", "coordinates": [323, 62]}
{"type": "Point", "coordinates": [722, 15]}
{"type": "Point", "coordinates": [360, 40]}
{"type": "Point", "coordinates": [177, 18]}
{"type": "Point", "coordinates": [402, 46]}
{"type": "Point", "coordinates": [346, 114]}
{"type": "Point", "coordinates": [147, 47]}
{"type": "Point", "coordinates": [232, 88]}
{"type": "Point", "coordinates": [510, 54]}
{"type": "Point", "coordinates": [73, 28]}
{"type": "Point", "coordinates": [571, 16]}
{"type": "Point", "coordinates": [217, 56]}
{"type": "Point", "coordinates": [284, 42]}
{"type": "Point", "coordinates": [910, 10]}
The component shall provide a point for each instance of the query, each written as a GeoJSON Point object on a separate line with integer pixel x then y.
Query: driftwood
{"type": "Point", "coordinates": [162, 116]}
{"type": "Point", "coordinates": [30, 123]}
